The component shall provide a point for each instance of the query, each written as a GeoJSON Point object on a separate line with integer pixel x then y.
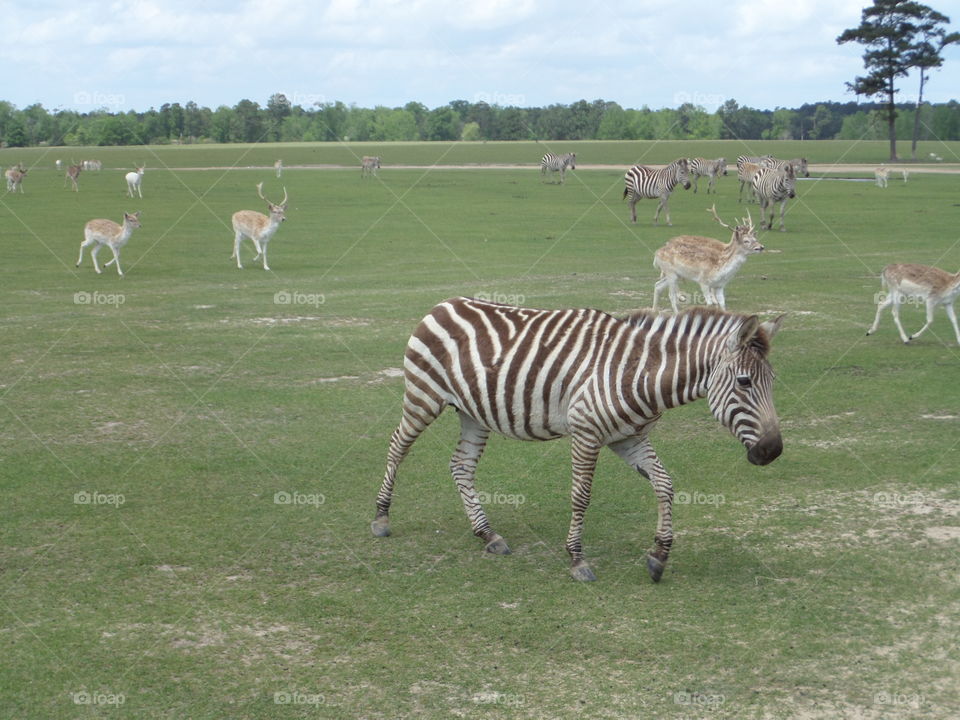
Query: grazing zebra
{"type": "Point", "coordinates": [771, 186]}
{"type": "Point", "coordinates": [544, 374]}
{"type": "Point", "coordinates": [799, 165]}
{"type": "Point", "coordinates": [557, 163]}
{"type": "Point", "coordinates": [645, 182]}
{"type": "Point", "coordinates": [701, 167]}
{"type": "Point", "coordinates": [369, 165]}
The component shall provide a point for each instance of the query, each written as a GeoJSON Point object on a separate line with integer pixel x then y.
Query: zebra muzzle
{"type": "Point", "coordinates": [766, 450]}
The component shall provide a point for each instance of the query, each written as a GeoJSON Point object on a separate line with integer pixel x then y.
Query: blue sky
{"type": "Point", "coordinates": [141, 54]}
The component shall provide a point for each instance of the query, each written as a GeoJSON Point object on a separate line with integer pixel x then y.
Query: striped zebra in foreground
{"type": "Point", "coordinates": [701, 167]}
{"type": "Point", "coordinates": [800, 166]}
{"type": "Point", "coordinates": [645, 182]}
{"type": "Point", "coordinates": [603, 381]}
{"type": "Point", "coordinates": [774, 186]}
{"type": "Point", "coordinates": [557, 163]}
{"type": "Point", "coordinates": [369, 165]}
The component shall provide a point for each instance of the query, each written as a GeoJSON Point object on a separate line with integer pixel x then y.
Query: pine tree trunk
{"type": "Point", "coordinates": [916, 117]}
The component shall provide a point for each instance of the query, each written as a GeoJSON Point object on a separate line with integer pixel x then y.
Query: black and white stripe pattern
{"type": "Point", "coordinates": [604, 382]}
{"type": "Point", "coordinates": [645, 182]}
{"type": "Point", "coordinates": [369, 165]}
{"type": "Point", "coordinates": [771, 186]}
{"type": "Point", "coordinates": [701, 167]}
{"type": "Point", "coordinates": [800, 166]}
{"type": "Point", "coordinates": [557, 163]}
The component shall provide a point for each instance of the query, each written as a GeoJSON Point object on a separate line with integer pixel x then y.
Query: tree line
{"type": "Point", "coordinates": [279, 120]}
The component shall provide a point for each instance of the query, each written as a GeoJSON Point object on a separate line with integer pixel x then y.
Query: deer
{"type": "Point", "coordinates": [102, 232]}
{"type": "Point", "coordinates": [369, 165]}
{"type": "Point", "coordinates": [278, 166]}
{"type": "Point", "coordinates": [932, 285]}
{"type": "Point", "coordinates": [258, 227]}
{"type": "Point", "coordinates": [746, 172]}
{"type": "Point", "coordinates": [133, 181]}
{"type": "Point", "coordinates": [880, 174]}
{"type": "Point", "coordinates": [73, 172]}
{"type": "Point", "coordinates": [14, 177]}
{"type": "Point", "coordinates": [707, 261]}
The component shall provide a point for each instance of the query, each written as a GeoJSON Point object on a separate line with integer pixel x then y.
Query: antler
{"type": "Point", "coordinates": [260, 193]}
{"type": "Point", "coordinates": [713, 211]}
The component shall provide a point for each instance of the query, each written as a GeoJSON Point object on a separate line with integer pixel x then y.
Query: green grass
{"type": "Point", "coordinates": [793, 590]}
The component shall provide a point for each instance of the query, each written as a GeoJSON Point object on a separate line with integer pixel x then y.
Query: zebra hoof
{"type": "Point", "coordinates": [380, 527]}
{"type": "Point", "coordinates": [497, 546]}
{"type": "Point", "coordinates": [655, 568]}
{"type": "Point", "coordinates": [582, 572]}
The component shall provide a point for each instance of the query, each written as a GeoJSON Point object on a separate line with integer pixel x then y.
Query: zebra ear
{"type": "Point", "coordinates": [742, 337]}
{"type": "Point", "coordinates": [772, 327]}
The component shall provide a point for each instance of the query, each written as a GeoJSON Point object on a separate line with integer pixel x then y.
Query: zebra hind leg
{"type": "Point", "coordinates": [416, 418]}
{"type": "Point", "coordinates": [463, 467]}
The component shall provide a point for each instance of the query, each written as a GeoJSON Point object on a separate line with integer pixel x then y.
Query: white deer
{"type": "Point", "coordinates": [931, 285]}
{"type": "Point", "coordinates": [14, 177]}
{"type": "Point", "coordinates": [258, 227]}
{"type": "Point", "coordinates": [704, 260]}
{"type": "Point", "coordinates": [278, 166]}
{"type": "Point", "coordinates": [133, 181]}
{"type": "Point", "coordinates": [102, 232]}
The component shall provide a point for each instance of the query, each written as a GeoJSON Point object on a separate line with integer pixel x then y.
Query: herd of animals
{"type": "Point", "coordinates": [707, 261]}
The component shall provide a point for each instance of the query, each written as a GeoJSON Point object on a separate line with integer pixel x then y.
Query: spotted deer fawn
{"type": "Point", "coordinates": [133, 181]}
{"type": "Point", "coordinates": [103, 232]}
{"type": "Point", "coordinates": [931, 285]}
{"type": "Point", "coordinates": [14, 177]}
{"type": "Point", "coordinates": [704, 260]}
{"type": "Point", "coordinates": [258, 227]}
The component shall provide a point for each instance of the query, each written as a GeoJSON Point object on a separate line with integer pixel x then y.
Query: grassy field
{"type": "Point", "coordinates": [189, 455]}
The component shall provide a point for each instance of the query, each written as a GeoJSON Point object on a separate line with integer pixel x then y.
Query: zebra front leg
{"type": "Point", "coordinates": [638, 454]}
{"type": "Point", "coordinates": [463, 467]}
{"type": "Point", "coordinates": [418, 413]}
{"type": "Point", "coordinates": [783, 209]}
{"type": "Point", "coordinates": [664, 205]}
{"type": "Point", "coordinates": [584, 453]}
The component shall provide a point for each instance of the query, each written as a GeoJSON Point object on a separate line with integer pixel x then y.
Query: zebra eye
{"type": "Point", "coordinates": [744, 381]}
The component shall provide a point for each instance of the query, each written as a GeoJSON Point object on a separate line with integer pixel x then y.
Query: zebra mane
{"type": "Point", "coordinates": [651, 319]}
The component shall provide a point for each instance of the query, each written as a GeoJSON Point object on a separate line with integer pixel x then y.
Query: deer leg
{"type": "Point", "coordinates": [263, 251]}
{"type": "Point", "coordinates": [85, 243]}
{"type": "Point", "coordinates": [931, 305]}
{"type": "Point", "coordinates": [584, 452]}
{"type": "Point", "coordinates": [951, 313]}
{"type": "Point", "coordinates": [895, 307]}
{"type": "Point", "coordinates": [93, 254]}
{"type": "Point", "coordinates": [886, 302]}
{"type": "Point", "coordinates": [658, 288]}
{"type": "Point", "coordinates": [719, 297]}
{"type": "Point", "coordinates": [236, 247]}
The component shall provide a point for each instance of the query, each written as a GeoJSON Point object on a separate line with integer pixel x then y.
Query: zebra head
{"type": "Point", "coordinates": [740, 390]}
{"type": "Point", "coordinates": [572, 161]}
{"type": "Point", "coordinates": [721, 166]}
{"type": "Point", "coordinates": [790, 184]}
{"type": "Point", "coordinates": [683, 167]}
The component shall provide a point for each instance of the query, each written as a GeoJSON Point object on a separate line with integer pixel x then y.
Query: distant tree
{"type": "Point", "coordinates": [278, 107]}
{"type": "Point", "coordinates": [443, 124]}
{"type": "Point", "coordinates": [932, 38]}
{"type": "Point", "coordinates": [470, 132]}
{"type": "Point", "coordinates": [249, 121]}
{"type": "Point", "coordinates": [822, 119]}
{"type": "Point", "coordinates": [889, 30]}
{"type": "Point", "coordinates": [16, 132]}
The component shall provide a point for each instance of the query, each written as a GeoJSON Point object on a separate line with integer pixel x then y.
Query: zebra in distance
{"type": "Point", "coordinates": [645, 182]}
{"type": "Point", "coordinates": [800, 166]}
{"type": "Point", "coordinates": [557, 163]}
{"type": "Point", "coordinates": [603, 381]}
{"type": "Point", "coordinates": [774, 186]}
{"type": "Point", "coordinates": [701, 167]}
{"type": "Point", "coordinates": [369, 165]}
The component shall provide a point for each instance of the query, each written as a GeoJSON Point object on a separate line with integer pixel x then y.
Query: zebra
{"type": "Point", "coordinates": [645, 182]}
{"type": "Point", "coordinates": [603, 381]}
{"type": "Point", "coordinates": [369, 165]}
{"type": "Point", "coordinates": [800, 166]}
{"type": "Point", "coordinates": [771, 186]}
{"type": "Point", "coordinates": [701, 167]}
{"type": "Point", "coordinates": [557, 163]}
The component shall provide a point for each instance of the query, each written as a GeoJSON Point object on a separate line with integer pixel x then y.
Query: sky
{"type": "Point", "coordinates": [143, 53]}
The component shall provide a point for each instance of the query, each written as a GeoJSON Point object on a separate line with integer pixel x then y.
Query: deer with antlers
{"type": "Point", "coordinates": [73, 172]}
{"type": "Point", "coordinates": [133, 181]}
{"type": "Point", "coordinates": [102, 232]}
{"type": "Point", "coordinates": [14, 177]}
{"type": "Point", "coordinates": [704, 260]}
{"type": "Point", "coordinates": [258, 227]}
{"type": "Point", "coordinates": [932, 286]}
